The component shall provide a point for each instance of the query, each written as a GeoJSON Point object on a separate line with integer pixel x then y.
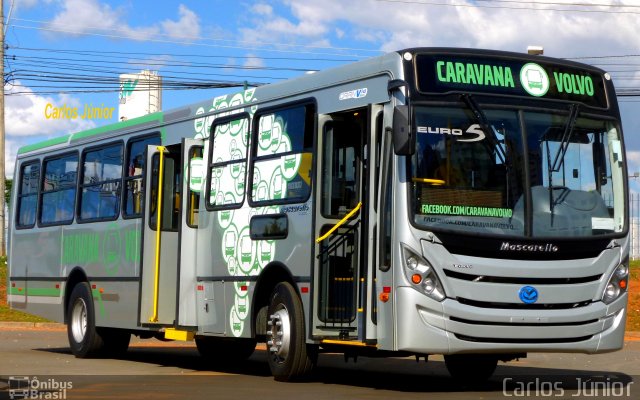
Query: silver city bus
{"type": "Point", "coordinates": [429, 201]}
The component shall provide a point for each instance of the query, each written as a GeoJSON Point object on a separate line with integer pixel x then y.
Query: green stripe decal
{"type": "Point", "coordinates": [157, 117]}
{"type": "Point", "coordinates": [44, 292]}
{"type": "Point", "coordinates": [119, 125]}
{"type": "Point", "coordinates": [44, 144]}
{"type": "Point", "coordinates": [96, 294]}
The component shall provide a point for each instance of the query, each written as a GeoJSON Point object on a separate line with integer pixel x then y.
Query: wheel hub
{"type": "Point", "coordinates": [79, 320]}
{"type": "Point", "coordinates": [279, 334]}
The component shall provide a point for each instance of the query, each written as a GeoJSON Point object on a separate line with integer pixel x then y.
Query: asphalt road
{"type": "Point", "coordinates": [168, 370]}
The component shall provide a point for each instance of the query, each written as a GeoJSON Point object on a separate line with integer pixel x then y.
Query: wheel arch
{"type": "Point", "coordinates": [77, 275]}
{"type": "Point", "coordinates": [270, 276]}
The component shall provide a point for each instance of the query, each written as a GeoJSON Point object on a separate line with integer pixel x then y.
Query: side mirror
{"type": "Point", "coordinates": [404, 139]}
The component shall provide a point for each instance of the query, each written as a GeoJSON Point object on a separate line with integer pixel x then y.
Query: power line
{"type": "Point", "coordinates": [555, 3]}
{"type": "Point", "coordinates": [274, 47]}
{"type": "Point", "coordinates": [177, 74]}
{"type": "Point", "coordinates": [90, 72]}
{"type": "Point", "coordinates": [115, 89]}
{"type": "Point", "coordinates": [176, 63]}
{"type": "Point", "coordinates": [601, 57]}
{"type": "Point", "coordinates": [181, 55]}
{"type": "Point", "coordinates": [573, 10]}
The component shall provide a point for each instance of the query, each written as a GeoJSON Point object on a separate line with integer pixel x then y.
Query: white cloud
{"type": "Point", "coordinates": [187, 27]}
{"type": "Point", "coordinates": [85, 16]}
{"type": "Point", "coordinates": [402, 25]}
{"type": "Point", "coordinates": [25, 120]}
{"type": "Point", "coordinates": [633, 161]}
{"type": "Point", "coordinates": [153, 63]}
{"type": "Point", "coordinates": [262, 9]}
{"type": "Point", "coordinates": [310, 24]}
{"type": "Point", "coordinates": [24, 4]}
{"type": "Point", "coordinates": [91, 16]}
{"type": "Point", "coordinates": [253, 61]}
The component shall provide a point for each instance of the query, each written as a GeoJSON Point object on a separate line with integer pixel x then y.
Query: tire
{"type": "Point", "coordinates": [471, 368]}
{"type": "Point", "coordinates": [217, 349]}
{"type": "Point", "coordinates": [84, 340]}
{"type": "Point", "coordinates": [290, 358]}
{"type": "Point", "coordinates": [116, 341]}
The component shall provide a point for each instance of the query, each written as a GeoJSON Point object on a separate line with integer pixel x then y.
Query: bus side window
{"type": "Point", "coordinates": [59, 190]}
{"type": "Point", "coordinates": [100, 186]}
{"type": "Point", "coordinates": [227, 171]}
{"type": "Point", "coordinates": [193, 210]}
{"type": "Point", "coordinates": [283, 149]}
{"type": "Point", "coordinates": [27, 199]}
{"type": "Point", "coordinates": [387, 210]}
{"type": "Point", "coordinates": [134, 190]}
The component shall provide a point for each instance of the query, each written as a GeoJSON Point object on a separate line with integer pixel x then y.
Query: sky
{"type": "Point", "coordinates": [52, 45]}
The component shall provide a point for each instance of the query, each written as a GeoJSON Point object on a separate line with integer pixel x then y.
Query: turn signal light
{"type": "Point", "coordinates": [416, 279]}
{"type": "Point", "coordinates": [384, 297]}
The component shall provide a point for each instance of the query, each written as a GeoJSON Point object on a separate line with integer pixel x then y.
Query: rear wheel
{"type": "Point", "coordinates": [290, 358]}
{"type": "Point", "coordinates": [84, 339]}
{"type": "Point", "coordinates": [471, 368]}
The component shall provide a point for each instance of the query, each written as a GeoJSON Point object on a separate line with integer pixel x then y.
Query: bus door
{"type": "Point", "coordinates": [342, 278]}
{"type": "Point", "coordinates": [193, 181]}
{"type": "Point", "coordinates": [160, 250]}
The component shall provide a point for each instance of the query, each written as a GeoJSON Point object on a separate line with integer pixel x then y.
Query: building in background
{"type": "Point", "coordinates": [140, 94]}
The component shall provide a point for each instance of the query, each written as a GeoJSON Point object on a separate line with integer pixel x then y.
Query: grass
{"type": "Point", "coordinates": [7, 314]}
{"type": "Point", "coordinates": [633, 314]}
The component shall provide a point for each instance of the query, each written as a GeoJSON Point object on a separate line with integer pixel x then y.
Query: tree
{"type": "Point", "coordinates": [8, 183]}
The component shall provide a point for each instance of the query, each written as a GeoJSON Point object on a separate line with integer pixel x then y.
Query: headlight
{"type": "Point", "coordinates": [617, 284]}
{"type": "Point", "coordinates": [421, 275]}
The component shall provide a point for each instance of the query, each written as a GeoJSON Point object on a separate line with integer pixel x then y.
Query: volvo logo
{"type": "Point", "coordinates": [528, 294]}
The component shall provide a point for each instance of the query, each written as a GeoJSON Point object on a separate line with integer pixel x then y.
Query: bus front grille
{"type": "Point", "coordinates": [522, 340]}
{"type": "Point", "coordinates": [520, 324]}
{"type": "Point", "coordinates": [523, 306]}
{"type": "Point", "coordinates": [521, 280]}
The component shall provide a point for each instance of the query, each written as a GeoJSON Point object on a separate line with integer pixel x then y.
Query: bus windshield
{"type": "Point", "coordinates": [517, 173]}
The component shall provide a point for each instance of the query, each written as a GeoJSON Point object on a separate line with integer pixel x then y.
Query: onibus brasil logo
{"type": "Point", "coordinates": [534, 79]}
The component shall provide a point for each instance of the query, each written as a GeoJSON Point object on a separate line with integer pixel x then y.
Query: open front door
{"type": "Point", "coordinates": [160, 249]}
{"type": "Point", "coordinates": [342, 273]}
{"type": "Point", "coordinates": [192, 153]}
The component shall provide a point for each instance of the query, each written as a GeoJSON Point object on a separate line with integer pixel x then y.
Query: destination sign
{"type": "Point", "coordinates": [443, 74]}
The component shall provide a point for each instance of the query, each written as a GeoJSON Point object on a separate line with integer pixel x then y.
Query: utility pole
{"type": "Point", "coordinates": [3, 241]}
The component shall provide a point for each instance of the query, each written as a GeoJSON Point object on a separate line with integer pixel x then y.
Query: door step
{"type": "Point", "coordinates": [175, 334]}
{"type": "Point", "coordinates": [348, 343]}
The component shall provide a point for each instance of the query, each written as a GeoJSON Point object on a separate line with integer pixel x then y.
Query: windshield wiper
{"type": "Point", "coordinates": [566, 138]}
{"type": "Point", "coordinates": [560, 153]}
{"type": "Point", "coordinates": [484, 125]}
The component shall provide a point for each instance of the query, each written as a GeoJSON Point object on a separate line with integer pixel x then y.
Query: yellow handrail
{"type": "Point", "coordinates": [342, 221]}
{"type": "Point", "coordinates": [436, 182]}
{"type": "Point", "coordinates": [156, 279]}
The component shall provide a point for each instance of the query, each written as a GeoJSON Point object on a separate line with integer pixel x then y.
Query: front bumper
{"type": "Point", "coordinates": [426, 326]}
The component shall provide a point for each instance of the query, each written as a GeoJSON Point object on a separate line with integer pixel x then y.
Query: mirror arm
{"type": "Point", "coordinates": [404, 139]}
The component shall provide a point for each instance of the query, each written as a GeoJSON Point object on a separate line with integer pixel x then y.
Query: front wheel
{"type": "Point", "coordinates": [471, 368]}
{"type": "Point", "coordinates": [290, 358]}
{"type": "Point", "coordinates": [84, 339]}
